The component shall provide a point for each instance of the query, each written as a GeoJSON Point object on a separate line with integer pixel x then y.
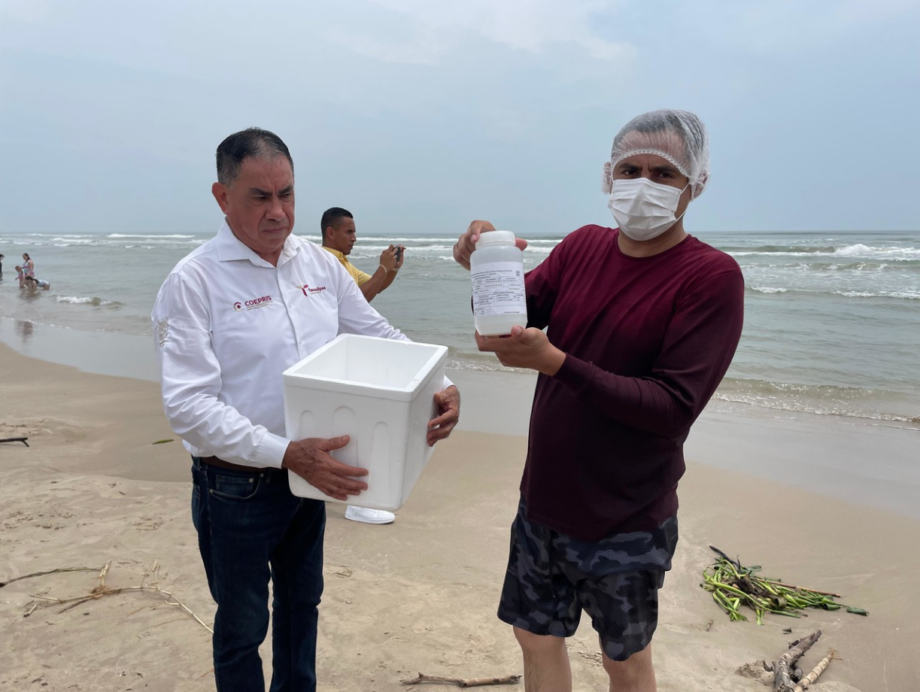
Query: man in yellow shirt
{"type": "Point", "coordinates": [339, 237]}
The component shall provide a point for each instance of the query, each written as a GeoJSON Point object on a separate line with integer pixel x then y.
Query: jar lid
{"type": "Point", "coordinates": [495, 238]}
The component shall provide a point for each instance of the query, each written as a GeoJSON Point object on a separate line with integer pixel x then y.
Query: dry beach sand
{"type": "Point", "coordinates": [417, 596]}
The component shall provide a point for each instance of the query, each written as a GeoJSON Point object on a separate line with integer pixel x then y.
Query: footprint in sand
{"type": "Point", "coordinates": [148, 524]}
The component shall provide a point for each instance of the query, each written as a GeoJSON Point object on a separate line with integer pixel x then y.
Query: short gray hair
{"type": "Point", "coordinates": [251, 142]}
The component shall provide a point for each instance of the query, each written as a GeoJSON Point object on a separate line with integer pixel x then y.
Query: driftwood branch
{"type": "Point", "coordinates": [782, 678]}
{"type": "Point", "coordinates": [50, 571]}
{"type": "Point", "coordinates": [813, 676]}
{"type": "Point", "coordinates": [16, 439]}
{"type": "Point", "coordinates": [102, 590]}
{"type": "Point", "coordinates": [460, 682]}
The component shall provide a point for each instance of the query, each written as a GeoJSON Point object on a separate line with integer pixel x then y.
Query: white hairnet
{"type": "Point", "coordinates": [678, 136]}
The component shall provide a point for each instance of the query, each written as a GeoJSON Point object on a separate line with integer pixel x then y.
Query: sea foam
{"type": "Point", "coordinates": [83, 300]}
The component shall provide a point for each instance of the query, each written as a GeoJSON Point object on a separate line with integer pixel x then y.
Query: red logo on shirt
{"type": "Point", "coordinates": [253, 304]}
{"type": "Point", "coordinates": [308, 290]}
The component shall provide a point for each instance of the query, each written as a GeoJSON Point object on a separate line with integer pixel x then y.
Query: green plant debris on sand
{"type": "Point", "coordinates": [733, 585]}
{"type": "Point", "coordinates": [162, 442]}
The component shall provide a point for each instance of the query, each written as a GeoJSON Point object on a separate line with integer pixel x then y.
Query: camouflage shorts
{"type": "Point", "coordinates": [551, 578]}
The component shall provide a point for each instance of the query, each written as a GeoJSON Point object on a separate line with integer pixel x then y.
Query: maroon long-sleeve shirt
{"type": "Point", "coordinates": [647, 341]}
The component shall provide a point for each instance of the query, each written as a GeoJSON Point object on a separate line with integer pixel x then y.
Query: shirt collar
{"type": "Point", "coordinates": [340, 255]}
{"type": "Point", "coordinates": [230, 248]}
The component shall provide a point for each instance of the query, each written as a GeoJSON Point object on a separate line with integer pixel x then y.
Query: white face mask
{"type": "Point", "coordinates": [643, 209]}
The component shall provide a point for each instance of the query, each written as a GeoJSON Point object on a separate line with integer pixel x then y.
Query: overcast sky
{"type": "Point", "coordinates": [419, 115]}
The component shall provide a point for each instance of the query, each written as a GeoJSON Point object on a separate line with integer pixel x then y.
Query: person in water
{"type": "Point", "coordinates": [37, 283]}
{"type": "Point", "coordinates": [28, 266]}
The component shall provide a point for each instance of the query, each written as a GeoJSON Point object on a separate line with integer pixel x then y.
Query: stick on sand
{"type": "Point", "coordinates": [50, 571]}
{"type": "Point", "coordinates": [812, 677]}
{"type": "Point", "coordinates": [460, 682]}
{"type": "Point", "coordinates": [102, 590]}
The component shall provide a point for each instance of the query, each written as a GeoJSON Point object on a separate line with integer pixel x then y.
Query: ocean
{"type": "Point", "coordinates": [832, 321]}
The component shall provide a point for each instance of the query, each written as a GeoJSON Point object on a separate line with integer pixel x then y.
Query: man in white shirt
{"type": "Point", "coordinates": [229, 319]}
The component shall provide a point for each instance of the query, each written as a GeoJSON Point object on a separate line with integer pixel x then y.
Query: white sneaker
{"type": "Point", "coordinates": [369, 516]}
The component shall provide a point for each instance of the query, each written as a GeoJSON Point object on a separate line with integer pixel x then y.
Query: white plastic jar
{"type": "Point", "coordinates": [497, 268]}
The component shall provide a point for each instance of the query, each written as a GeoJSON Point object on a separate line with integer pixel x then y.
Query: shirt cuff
{"type": "Point", "coordinates": [447, 383]}
{"type": "Point", "coordinates": [575, 373]}
{"type": "Point", "coordinates": [271, 451]}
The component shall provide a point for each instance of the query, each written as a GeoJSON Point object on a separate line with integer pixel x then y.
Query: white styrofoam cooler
{"type": "Point", "coordinates": [381, 393]}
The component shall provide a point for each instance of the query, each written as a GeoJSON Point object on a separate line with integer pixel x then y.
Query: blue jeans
{"type": "Point", "coordinates": [252, 529]}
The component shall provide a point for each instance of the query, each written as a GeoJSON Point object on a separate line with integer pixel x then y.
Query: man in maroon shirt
{"type": "Point", "coordinates": [642, 323]}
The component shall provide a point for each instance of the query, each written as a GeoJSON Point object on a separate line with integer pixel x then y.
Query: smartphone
{"type": "Point", "coordinates": [398, 253]}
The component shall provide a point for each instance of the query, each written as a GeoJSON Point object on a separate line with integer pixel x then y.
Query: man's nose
{"type": "Point", "coordinates": [275, 210]}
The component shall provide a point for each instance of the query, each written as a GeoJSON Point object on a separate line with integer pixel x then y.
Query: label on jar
{"type": "Point", "coordinates": [498, 289]}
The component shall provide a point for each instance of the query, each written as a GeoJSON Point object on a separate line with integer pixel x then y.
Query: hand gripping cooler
{"type": "Point", "coordinates": [381, 393]}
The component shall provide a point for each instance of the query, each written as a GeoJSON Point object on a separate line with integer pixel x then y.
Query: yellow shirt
{"type": "Point", "coordinates": [359, 276]}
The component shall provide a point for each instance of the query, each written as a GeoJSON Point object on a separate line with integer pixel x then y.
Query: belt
{"type": "Point", "coordinates": [221, 464]}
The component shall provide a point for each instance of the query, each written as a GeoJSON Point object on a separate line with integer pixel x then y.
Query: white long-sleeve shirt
{"type": "Point", "coordinates": [226, 326]}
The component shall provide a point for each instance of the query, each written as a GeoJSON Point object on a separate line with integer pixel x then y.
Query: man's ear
{"type": "Point", "coordinates": [699, 186]}
{"type": "Point", "coordinates": [220, 194]}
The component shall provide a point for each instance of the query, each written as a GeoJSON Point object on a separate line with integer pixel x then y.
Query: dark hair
{"type": "Point", "coordinates": [26, 255]}
{"type": "Point", "coordinates": [252, 142]}
{"type": "Point", "coordinates": [331, 217]}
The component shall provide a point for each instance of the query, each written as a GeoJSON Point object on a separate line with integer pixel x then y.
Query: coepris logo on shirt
{"type": "Point", "coordinates": [253, 304]}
